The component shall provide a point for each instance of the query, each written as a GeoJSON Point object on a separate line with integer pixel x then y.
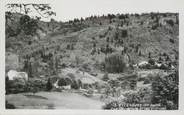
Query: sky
{"type": "Point", "coordinates": [70, 9]}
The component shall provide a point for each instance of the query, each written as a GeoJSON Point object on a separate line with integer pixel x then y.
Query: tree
{"type": "Point", "coordinates": [43, 10]}
{"type": "Point", "coordinates": [107, 39]}
{"type": "Point", "coordinates": [79, 82]}
{"type": "Point", "coordinates": [62, 82]}
{"type": "Point", "coordinates": [170, 22]}
{"type": "Point", "coordinates": [49, 85]}
{"type": "Point", "coordinates": [140, 53]}
{"type": "Point", "coordinates": [94, 45]}
{"type": "Point", "coordinates": [151, 61]}
{"type": "Point", "coordinates": [149, 55]}
{"type": "Point", "coordinates": [124, 33]}
{"type": "Point", "coordinates": [115, 63]}
{"type": "Point", "coordinates": [137, 48]}
{"type": "Point", "coordinates": [28, 25]}
{"type": "Point", "coordinates": [7, 85]}
{"type": "Point", "coordinates": [75, 85]}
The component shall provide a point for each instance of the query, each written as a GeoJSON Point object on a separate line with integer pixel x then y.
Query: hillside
{"type": "Point", "coordinates": [106, 55]}
{"type": "Point", "coordinates": [141, 36]}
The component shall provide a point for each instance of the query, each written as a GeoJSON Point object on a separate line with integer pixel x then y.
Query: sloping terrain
{"type": "Point", "coordinates": [104, 53]}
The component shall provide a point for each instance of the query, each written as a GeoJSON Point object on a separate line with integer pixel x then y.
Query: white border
{"type": "Point", "coordinates": [168, 7]}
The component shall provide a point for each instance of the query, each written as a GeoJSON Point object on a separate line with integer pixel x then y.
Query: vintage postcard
{"type": "Point", "coordinates": [89, 55]}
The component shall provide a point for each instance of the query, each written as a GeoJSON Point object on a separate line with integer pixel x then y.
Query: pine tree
{"type": "Point", "coordinates": [149, 55]}
{"type": "Point", "coordinates": [48, 85]}
{"type": "Point", "coordinates": [140, 53]}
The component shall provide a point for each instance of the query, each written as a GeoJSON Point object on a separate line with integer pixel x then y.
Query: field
{"type": "Point", "coordinates": [53, 100]}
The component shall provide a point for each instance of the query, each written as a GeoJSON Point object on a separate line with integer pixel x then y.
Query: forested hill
{"type": "Point", "coordinates": [139, 36]}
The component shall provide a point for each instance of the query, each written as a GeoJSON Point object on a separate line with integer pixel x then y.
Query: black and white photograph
{"type": "Point", "coordinates": [92, 60]}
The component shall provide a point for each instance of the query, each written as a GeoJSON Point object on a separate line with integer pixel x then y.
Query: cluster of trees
{"type": "Point", "coordinates": [26, 24]}
{"type": "Point", "coordinates": [18, 86]}
{"type": "Point", "coordinates": [165, 91]}
{"type": "Point", "coordinates": [114, 64]}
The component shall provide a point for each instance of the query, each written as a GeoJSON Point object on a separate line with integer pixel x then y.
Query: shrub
{"type": "Point", "coordinates": [68, 81]}
{"type": "Point", "coordinates": [79, 82]}
{"type": "Point", "coordinates": [112, 105]}
{"type": "Point", "coordinates": [35, 85]}
{"type": "Point", "coordinates": [132, 97]}
{"type": "Point", "coordinates": [124, 33]}
{"type": "Point", "coordinates": [151, 61]}
{"type": "Point", "coordinates": [75, 85]}
{"type": "Point", "coordinates": [48, 85]}
{"type": "Point", "coordinates": [140, 53]}
{"type": "Point", "coordinates": [171, 40]}
{"type": "Point", "coordinates": [62, 82]}
{"type": "Point", "coordinates": [9, 106]}
{"type": "Point", "coordinates": [163, 66]}
{"type": "Point", "coordinates": [146, 81]}
{"type": "Point", "coordinates": [105, 77]}
{"type": "Point", "coordinates": [170, 22]}
{"type": "Point", "coordinates": [15, 86]}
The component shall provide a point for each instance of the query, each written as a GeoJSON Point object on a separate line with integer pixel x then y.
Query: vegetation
{"type": "Point", "coordinates": [115, 64]}
{"type": "Point", "coordinates": [165, 90]}
{"type": "Point", "coordinates": [49, 85]}
{"type": "Point", "coordinates": [9, 106]}
{"type": "Point", "coordinates": [95, 59]}
{"type": "Point", "coordinates": [105, 77]}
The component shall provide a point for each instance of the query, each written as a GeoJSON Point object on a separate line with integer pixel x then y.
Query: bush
{"type": "Point", "coordinates": [165, 89]}
{"type": "Point", "coordinates": [164, 67]}
{"type": "Point", "coordinates": [15, 86]}
{"type": "Point", "coordinates": [9, 106]}
{"type": "Point", "coordinates": [75, 85]}
{"type": "Point", "coordinates": [79, 82]}
{"type": "Point", "coordinates": [170, 22]}
{"type": "Point", "coordinates": [48, 85]}
{"type": "Point", "coordinates": [62, 82]}
{"type": "Point", "coordinates": [112, 105]}
{"type": "Point", "coordinates": [28, 25]}
{"type": "Point", "coordinates": [151, 61]}
{"type": "Point", "coordinates": [35, 86]}
{"type": "Point", "coordinates": [105, 77]}
{"type": "Point", "coordinates": [146, 81]}
{"type": "Point", "coordinates": [171, 40]}
{"type": "Point", "coordinates": [124, 33]}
